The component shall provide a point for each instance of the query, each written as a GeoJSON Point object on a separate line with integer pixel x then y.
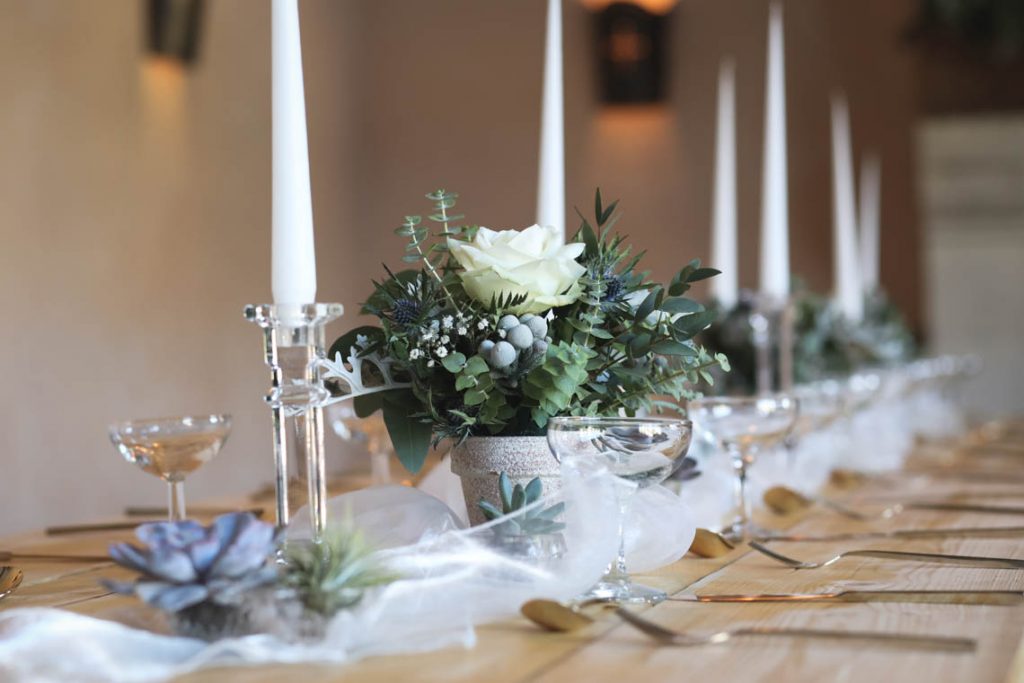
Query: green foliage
{"type": "Point", "coordinates": [557, 381]}
{"type": "Point", "coordinates": [513, 499]}
{"type": "Point", "coordinates": [625, 343]}
{"type": "Point", "coordinates": [825, 343]}
{"type": "Point", "coordinates": [333, 574]}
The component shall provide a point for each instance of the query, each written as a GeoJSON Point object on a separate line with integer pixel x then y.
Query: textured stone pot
{"type": "Point", "coordinates": [275, 612]}
{"type": "Point", "coordinates": [480, 459]}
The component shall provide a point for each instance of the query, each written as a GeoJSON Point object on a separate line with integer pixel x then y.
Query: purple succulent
{"type": "Point", "coordinates": [184, 563]}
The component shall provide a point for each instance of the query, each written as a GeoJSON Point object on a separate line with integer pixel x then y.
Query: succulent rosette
{"type": "Point", "coordinates": [183, 564]}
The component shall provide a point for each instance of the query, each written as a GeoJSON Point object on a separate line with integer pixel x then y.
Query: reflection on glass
{"type": "Point", "coordinates": [641, 451]}
{"type": "Point", "coordinates": [744, 427]}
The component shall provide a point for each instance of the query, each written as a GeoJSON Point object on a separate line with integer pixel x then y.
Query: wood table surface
{"type": "Point", "coordinates": [515, 651]}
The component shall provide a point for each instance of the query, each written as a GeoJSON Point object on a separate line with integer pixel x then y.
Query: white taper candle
{"type": "Point", "coordinates": [293, 257]}
{"type": "Point", "coordinates": [847, 292]}
{"type": "Point", "coordinates": [725, 287]}
{"type": "Point", "coordinates": [774, 184]}
{"type": "Point", "coordinates": [870, 221]}
{"type": "Point", "coordinates": [551, 176]}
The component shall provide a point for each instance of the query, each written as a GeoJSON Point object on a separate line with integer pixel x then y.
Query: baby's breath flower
{"type": "Point", "coordinates": [441, 351]}
{"type": "Point", "coordinates": [482, 324]}
{"type": "Point", "coordinates": [462, 330]}
{"type": "Point", "coordinates": [447, 322]}
{"type": "Point", "coordinates": [445, 339]}
{"type": "Point", "coordinates": [430, 363]}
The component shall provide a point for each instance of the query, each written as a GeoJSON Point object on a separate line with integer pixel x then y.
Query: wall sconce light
{"type": "Point", "coordinates": [631, 42]}
{"type": "Point", "coordinates": [172, 28]}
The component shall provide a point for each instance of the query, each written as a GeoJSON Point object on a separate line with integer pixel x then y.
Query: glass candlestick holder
{"type": "Point", "coordinates": [772, 322]}
{"type": "Point", "coordinates": [293, 348]}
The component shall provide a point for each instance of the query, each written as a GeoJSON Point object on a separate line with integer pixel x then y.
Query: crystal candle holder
{"type": "Point", "coordinates": [293, 348]}
{"type": "Point", "coordinates": [772, 322]}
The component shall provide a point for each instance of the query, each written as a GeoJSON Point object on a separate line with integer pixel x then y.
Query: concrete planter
{"type": "Point", "coordinates": [480, 459]}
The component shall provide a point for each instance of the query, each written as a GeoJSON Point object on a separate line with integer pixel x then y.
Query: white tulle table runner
{"type": "Point", "coordinates": [453, 580]}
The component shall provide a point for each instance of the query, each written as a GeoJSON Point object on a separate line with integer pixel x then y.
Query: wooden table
{"type": "Point", "coordinates": [516, 651]}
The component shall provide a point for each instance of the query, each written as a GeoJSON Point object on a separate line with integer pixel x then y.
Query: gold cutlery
{"type": "Point", "coordinates": [965, 532]}
{"type": "Point", "coordinates": [935, 597]}
{"type": "Point", "coordinates": [958, 560]}
{"type": "Point", "coordinates": [10, 579]}
{"type": "Point", "coordinates": [90, 528]}
{"type": "Point", "coordinates": [555, 616]}
{"type": "Point", "coordinates": [6, 556]}
{"type": "Point", "coordinates": [66, 529]}
{"type": "Point", "coordinates": [193, 511]}
{"type": "Point", "coordinates": [668, 637]}
{"type": "Point", "coordinates": [710, 544]}
{"type": "Point", "coordinates": [783, 501]}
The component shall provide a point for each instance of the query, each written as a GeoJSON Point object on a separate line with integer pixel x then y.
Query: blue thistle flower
{"type": "Point", "coordinates": [405, 311]}
{"type": "Point", "coordinates": [613, 286]}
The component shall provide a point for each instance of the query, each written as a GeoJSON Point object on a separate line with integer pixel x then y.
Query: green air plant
{"type": "Point", "coordinates": [334, 574]}
{"type": "Point", "coordinates": [534, 522]}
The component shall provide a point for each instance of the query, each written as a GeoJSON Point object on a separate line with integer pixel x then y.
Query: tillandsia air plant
{"type": "Point", "coordinates": [494, 332]}
{"type": "Point", "coordinates": [334, 574]}
{"type": "Point", "coordinates": [535, 521]}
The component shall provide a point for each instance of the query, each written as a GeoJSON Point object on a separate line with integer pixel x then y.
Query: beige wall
{"type": "Point", "coordinates": [136, 225]}
{"type": "Point", "coordinates": [448, 105]}
{"type": "Point", "coordinates": [136, 205]}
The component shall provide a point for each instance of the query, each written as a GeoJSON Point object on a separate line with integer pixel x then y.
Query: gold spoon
{"type": "Point", "coordinates": [783, 500]}
{"type": "Point", "coordinates": [710, 544]}
{"type": "Point", "coordinates": [10, 579]}
{"type": "Point", "coordinates": [554, 616]}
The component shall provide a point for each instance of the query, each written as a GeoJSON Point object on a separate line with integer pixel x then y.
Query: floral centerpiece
{"type": "Point", "coordinates": [492, 333]}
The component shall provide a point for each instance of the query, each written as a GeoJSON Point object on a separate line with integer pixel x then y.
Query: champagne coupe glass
{"type": "Point", "coordinates": [369, 431]}
{"type": "Point", "coordinates": [743, 427]}
{"type": "Point", "coordinates": [170, 448]}
{"type": "Point", "coordinates": [642, 451]}
{"type": "Point", "coordinates": [821, 404]}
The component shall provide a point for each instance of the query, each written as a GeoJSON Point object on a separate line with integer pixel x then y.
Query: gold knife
{"type": "Point", "coordinates": [967, 507]}
{"type": "Point", "coordinates": [89, 528]}
{"type": "Point", "coordinates": [965, 532]}
{"type": "Point", "coordinates": [7, 556]}
{"type": "Point", "coordinates": [66, 529]}
{"type": "Point", "coordinates": [982, 597]}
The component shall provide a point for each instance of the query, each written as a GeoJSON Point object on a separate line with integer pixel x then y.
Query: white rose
{"type": "Point", "coordinates": [533, 262]}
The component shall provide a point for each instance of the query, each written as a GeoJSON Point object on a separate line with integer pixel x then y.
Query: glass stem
{"type": "Point", "coordinates": [739, 463]}
{"type": "Point", "coordinates": [176, 500]}
{"type": "Point", "coordinates": [617, 570]}
{"type": "Point", "coordinates": [790, 444]}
